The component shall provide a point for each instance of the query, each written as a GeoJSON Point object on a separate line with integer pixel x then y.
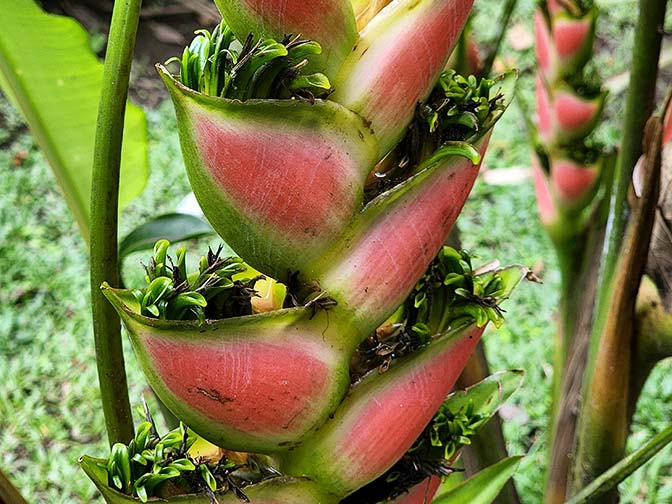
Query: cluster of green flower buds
{"type": "Point", "coordinates": [218, 64]}
{"type": "Point", "coordinates": [221, 288]}
{"type": "Point", "coordinates": [162, 466]}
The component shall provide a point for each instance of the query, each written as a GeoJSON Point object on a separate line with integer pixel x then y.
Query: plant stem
{"type": "Point", "coordinates": [602, 423]}
{"type": "Point", "coordinates": [604, 417]}
{"type": "Point", "coordinates": [569, 366]}
{"type": "Point", "coordinates": [104, 219]}
{"type": "Point", "coordinates": [8, 492]}
{"type": "Point", "coordinates": [620, 471]}
{"type": "Point", "coordinates": [570, 258]}
{"type": "Point", "coordinates": [639, 106]}
{"type": "Point", "coordinates": [496, 44]}
{"type": "Point", "coordinates": [572, 352]}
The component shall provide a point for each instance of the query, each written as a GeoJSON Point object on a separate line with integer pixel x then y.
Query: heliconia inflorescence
{"type": "Point", "coordinates": [568, 164]}
{"type": "Point", "coordinates": [331, 149]}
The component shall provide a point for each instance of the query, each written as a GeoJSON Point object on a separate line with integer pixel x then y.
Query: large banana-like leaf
{"type": "Point", "coordinates": [174, 227]}
{"type": "Point", "coordinates": [49, 72]}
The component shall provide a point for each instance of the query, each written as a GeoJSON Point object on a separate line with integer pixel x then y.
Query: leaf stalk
{"type": "Point", "coordinates": [8, 492]}
{"type": "Point", "coordinates": [608, 481]}
{"type": "Point", "coordinates": [104, 219]}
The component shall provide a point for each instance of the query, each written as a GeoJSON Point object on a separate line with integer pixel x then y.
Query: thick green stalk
{"type": "Point", "coordinates": [8, 492]}
{"type": "Point", "coordinates": [570, 258]}
{"type": "Point", "coordinates": [104, 217]}
{"type": "Point", "coordinates": [639, 106]}
{"type": "Point", "coordinates": [570, 360]}
{"type": "Point", "coordinates": [572, 353]}
{"type": "Point", "coordinates": [604, 418]}
{"type": "Point", "coordinates": [608, 481]}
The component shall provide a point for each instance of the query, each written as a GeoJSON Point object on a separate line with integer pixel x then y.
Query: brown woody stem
{"type": "Point", "coordinates": [8, 492]}
{"type": "Point", "coordinates": [604, 418]}
{"type": "Point", "coordinates": [639, 106]}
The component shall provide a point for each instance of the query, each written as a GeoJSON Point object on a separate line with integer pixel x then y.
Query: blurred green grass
{"type": "Point", "coordinates": [49, 402]}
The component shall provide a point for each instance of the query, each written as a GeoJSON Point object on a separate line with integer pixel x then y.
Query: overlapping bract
{"type": "Point", "coordinates": [330, 22]}
{"type": "Point", "coordinates": [565, 33]}
{"type": "Point", "coordinates": [283, 182]}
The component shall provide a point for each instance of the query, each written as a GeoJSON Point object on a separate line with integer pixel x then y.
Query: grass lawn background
{"type": "Point", "coordinates": [50, 412]}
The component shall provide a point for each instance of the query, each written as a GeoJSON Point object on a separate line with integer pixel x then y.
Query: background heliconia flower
{"type": "Point", "coordinates": [545, 203]}
{"type": "Point", "coordinates": [568, 164]}
{"type": "Point", "coordinates": [571, 180]}
{"type": "Point", "coordinates": [564, 40]}
{"type": "Point", "coordinates": [564, 116]}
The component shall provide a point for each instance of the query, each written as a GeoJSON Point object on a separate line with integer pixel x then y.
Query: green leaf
{"type": "Point", "coordinates": [464, 149]}
{"type": "Point", "coordinates": [119, 467]}
{"type": "Point", "coordinates": [484, 487]}
{"type": "Point", "coordinates": [173, 439]}
{"type": "Point", "coordinates": [621, 470]}
{"type": "Point", "coordinates": [160, 252]}
{"type": "Point", "coordinates": [142, 435]}
{"type": "Point", "coordinates": [188, 299]}
{"type": "Point", "coordinates": [142, 493]}
{"type": "Point", "coordinates": [487, 396]}
{"type": "Point", "coordinates": [53, 77]}
{"type": "Point", "coordinates": [510, 277]}
{"type": "Point", "coordinates": [208, 477]}
{"type": "Point", "coordinates": [174, 227]}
